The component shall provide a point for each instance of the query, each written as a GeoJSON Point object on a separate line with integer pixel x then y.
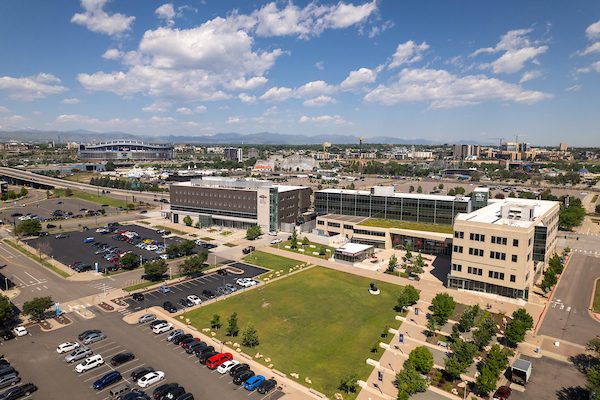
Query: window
{"type": "Point", "coordinates": [514, 258]}
{"type": "Point", "coordinates": [456, 267]}
{"type": "Point", "coordinates": [499, 240]}
{"type": "Point", "coordinates": [347, 226]}
{"type": "Point", "coordinates": [457, 249]}
{"type": "Point", "coordinates": [475, 271]}
{"type": "Point", "coordinates": [496, 255]}
{"type": "Point", "coordinates": [459, 235]}
{"type": "Point", "coordinates": [477, 237]}
{"type": "Point", "coordinates": [475, 252]}
{"type": "Point", "coordinates": [515, 242]}
{"type": "Point", "coordinates": [513, 278]}
{"type": "Point", "coordinates": [496, 275]}
{"type": "Point", "coordinates": [333, 224]}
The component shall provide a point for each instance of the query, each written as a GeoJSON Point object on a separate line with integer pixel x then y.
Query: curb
{"type": "Point", "coordinates": [543, 313]}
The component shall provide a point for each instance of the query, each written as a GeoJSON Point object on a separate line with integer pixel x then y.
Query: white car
{"type": "Point", "coordinates": [246, 282]}
{"type": "Point", "coordinates": [90, 363]}
{"type": "Point", "coordinates": [162, 328]}
{"type": "Point", "coordinates": [194, 299]}
{"type": "Point", "coordinates": [276, 241]}
{"type": "Point", "coordinates": [151, 247]}
{"type": "Point", "coordinates": [226, 366]}
{"type": "Point", "coordinates": [66, 347]}
{"type": "Point", "coordinates": [272, 233]}
{"type": "Point", "coordinates": [150, 379]}
{"type": "Point", "coordinates": [20, 331]}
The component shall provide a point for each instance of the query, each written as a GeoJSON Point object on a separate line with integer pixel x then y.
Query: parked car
{"type": "Point", "coordinates": [248, 250]}
{"type": "Point", "coordinates": [170, 307]}
{"type": "Point", "coordinates": [254, 382]}
{"type": "Point", "coordinates": [189, 342]}
{"type": "Point", "coordinates": [164, 289]}
{"type": "Point", "coordinates": [93, 338]}
{"type": "Point", "coordinates": [162, 389]}
{"type": "Point", "coordinates": [136, 395]}
{"type": "Point", "coordinates": [243, 377]}
{"type": "Point", "coordinates": [146, 318]}
{"type": "Point", "coordinates": [185, 303]}
{"type": "Point", "coordinates": [107, 379]}
{"type": "Point", "coordinates": [240, 367]}
{"type": "Point", "coordinates": [195, 300]}
{"type": "Point", "coordinates": [173, 393]}
{"type": "Point", "coordinates": [66, 347]}
{"type": "Point", "coordinates": [267, 386]}
{"type": "Point", "coordinates": [503, 393]}
{"type": "Point", "coordinates": [203, 357]}
{"type": "Point", "coordinates": [162, 328]}
{"type": "Point", "coordinates": [139, 372]}
{"type": "Point", "coordinates": [78, 354]}
{"type": "Point", "coordinates": [186, 396]}
{"type": "Point", "coordinates": [138, 296]}
{"type": "Point", "coordinates": [230, 287]}
{"type": "Point", "coordinates": [86, 333]}
{"type": "Point", "coordinates": [8, 335]}
{"type": "Point", "coordinates": [121, 358]}
{"type": "Point", "coordinates": [20, 331]}
{"type": "Point", "coordinates": [18, 391]}
{"type": "Point", "coordinates": [226, 366]}
{"type": "Point", "coordinates": [180, 338]}
{"type": "Point", "coordinates": [157, 322]}
{"type": "Point", "coordinates": [218, 359]}
{"type": "Point", "coordinates": [90, 363]}
{"type": "Point", "coordinates": [195, 347]}
{"type": "Point", "coordinates": [276, 241]}
{"type": "Point", "coordinates": [208, 294]}
{"type": "Point", "coordinates": [206, 349]}
{"type": "Point", "coordinates": [150, 378]}
{"type": "Point", "coordinates": [174, 334]}
{"type": "Point", "coordinates": [10, 379]}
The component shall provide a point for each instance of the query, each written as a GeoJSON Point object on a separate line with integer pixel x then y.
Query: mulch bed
{"type": "Point", "coordinates": [44, 325]}
{"type": "Point", "coordinates": [106, 306]}
{"type": "Point", "coordinates": [63, 320]}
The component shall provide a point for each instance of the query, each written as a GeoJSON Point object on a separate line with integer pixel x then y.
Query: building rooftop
{"type": "Point", "coordinates": [517, 212]}
{"type": "Point", "coordinates": [409, 225]}
{"type": "Point", "coordinates": [353, 248]}
{"type": "Point", "coordinates": [232, 183]}
{"type": "Point", "coordinates": [421, 196]}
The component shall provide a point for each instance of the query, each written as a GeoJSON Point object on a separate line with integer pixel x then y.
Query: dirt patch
{"type": "Point", "coordinates": [45, 325]}
{"type": "Point", "coordinates": [106, 306]}
{"type": "Point", "coordinates": [63, 320]}
{"type": "Point", "coordinates": [265, 305]}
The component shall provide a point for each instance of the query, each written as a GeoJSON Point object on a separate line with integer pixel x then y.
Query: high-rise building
{"type": "Point", "coordinates": [233, 154]}
{"type": "Point", "coordinates": [563, 147]}
{"type": "Point", "coordinates": [465, 151]}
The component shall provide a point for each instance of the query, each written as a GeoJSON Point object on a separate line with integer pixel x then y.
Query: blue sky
{"type": "Point", "coordinates": [439, 70]}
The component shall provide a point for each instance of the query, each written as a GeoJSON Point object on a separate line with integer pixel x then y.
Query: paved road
{"type": "Point", "coordinates": [35, 356]}
{"type": "Point", "coordinates": [194, 286]}
{"type": "Point", "coordinates": [567, 316]}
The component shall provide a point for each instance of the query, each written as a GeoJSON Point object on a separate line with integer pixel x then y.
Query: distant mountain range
{"type": "Point", "coordinates": [218, 138]}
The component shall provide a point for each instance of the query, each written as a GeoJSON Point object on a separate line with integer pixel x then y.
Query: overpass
{"type": "Point", "coordinates": [19, 177]}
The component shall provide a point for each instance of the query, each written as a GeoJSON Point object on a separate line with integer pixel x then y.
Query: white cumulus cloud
{"type": "Point", "coordinates": [359, 78]}
{"type": "Point", "coordinates": [31, 87]}
{"type": "Point", "coordinates": [247, 98]}
{"type": "Point", "coordinates": [529, 75]}
{"type": "Point", "coordinates": [323, 119]}
{"type": "Point", "coordinates": [319, 101]}
{"type": "Point", "coordinates": [184, 111]}
{"type": "Point", "coordinates": [112, 54]}
{"type": "Point", "coordinates": [277, 94]}
{"type": "Point", "coordinates": [158, 106]}
{"type": "Point", "coordinates": [593, 31]}
{"type": "Point", "coordinates": [200, 109]}
{"type": "Point", "coordinates": [97, 20]}
{"type": "Point", "coordinates": [70, 101]}
{"type": "Point", "coordinates": [408, 53]}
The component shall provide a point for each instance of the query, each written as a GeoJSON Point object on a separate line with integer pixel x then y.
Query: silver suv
{"type": "Point", "coordinates": [146, 318]}
{"type": "Point", "coordinates": [93, 338]}
{"type": "Point", "coordinates": [78, 354]}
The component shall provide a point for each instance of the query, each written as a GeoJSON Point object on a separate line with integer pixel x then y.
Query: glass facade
{"type": "Point", "coordinates": [273, 209]}
{"type": "Point", "coordinates": [467, 284]}
{"type": "Point", "coordinates": [539, 243]}
{"type": "Point", "coordinates": [425, 210]}
{"type": "Point", "coordinates": [425, 246]}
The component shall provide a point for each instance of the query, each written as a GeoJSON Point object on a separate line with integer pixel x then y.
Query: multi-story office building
{"type": "Point", "coordinates": [466, 151]}
{"type": "Point", "coordinates": [503, 247]}
{"type": "Point", "coordinates": [238, 203]}
{"type": "Point", "coordinates": [382, 202]}
{"type": "Point", "coordinates": [233, 154]}
{"type": "Point", "coordinates": [115, 150]}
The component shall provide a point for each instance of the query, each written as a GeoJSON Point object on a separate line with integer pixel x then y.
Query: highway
{"type": "Point", "coordinates": [60, 183]}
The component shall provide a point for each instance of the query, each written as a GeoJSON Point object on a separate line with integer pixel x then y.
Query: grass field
{"type": "Point", "coordinates": [81, 177]}
{"type": "Point", "coordinates": [596, 305]}
{"type": "Point", "coordinates": [307, 249]}
{"type": "Point", "coordinates": [413, 226]}
{"type": "Point", "coordinates": [318, 323]}
{"type": "Point", "coordinates": [271, 261]}
{"type": "Point", "coordinates": [112, 202]}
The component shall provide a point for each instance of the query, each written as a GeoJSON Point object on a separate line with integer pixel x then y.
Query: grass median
{"type": "Point", "coordinates": [36, 258]}
{"type": "Point", "coordinates": [271, 261]}
{"type": "Point", "coordinates": [596, 304]}
{"type": "Point", "coordinates": [110, 201]}
{"type": "Point", "coordinates": [320, 324]}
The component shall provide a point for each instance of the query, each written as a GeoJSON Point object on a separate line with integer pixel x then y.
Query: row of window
{"type": "Point", "coordinates": [478, 237]}
{"type": "Point", "coordinates": [497, 255]}
{"type": "Point", "coordinates": [501, 240]}
{"type": "Point", "coordinates": [479, 272]}
{"type": "Point", "coordinates": [475, 252]}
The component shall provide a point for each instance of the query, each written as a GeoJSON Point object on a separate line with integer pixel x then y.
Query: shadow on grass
{"type": "Point", "coordinates": [573, 393]}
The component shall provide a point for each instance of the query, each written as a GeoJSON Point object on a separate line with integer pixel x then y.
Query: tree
{"type": "Point", "coordinates": [37, 307]}
{"type": "Point", "coordinates": [431, 327]}
{"type": "Point", "coordinates": [305, 241]}
{"type": "Point", "coordinates": [187, 220]}
{"type": "Point", "coordinates": [156, 268]}
{"type": "Point", "coordinates": [410, 381]}
{"type": "Point", "coordinates": [172, 250]}
{"type": "Point", "coordinates": [441, 186]}
{"type": "Point", "coordinates": [419, 189]}
{"type": "Point", "coordinates": [392, 263]}
{"type": "Point", "coordinates": [28, 227]}
{"type": "Point", "coordinates": [598, 208]}
{"type": "Point", "coordinates": [523, 315]}
{"type": "Point", "coordinates": [407, 297]}
{"type": "Point", "coordinates": [186, 247]}
{"type": "Point", "coordinates": [515, 332]}
{"type": "Point", "coordinates": [6, 309]}
{"type": "Point", "coordinates": [250, 337]}
{"type": "Point", "coordinates": [109, 166]}
{"type": "Point", "coordinates": [215, 322]}
{"type": "Point", "coordinates": [483, 335]}
{"type": "Point", "coordinates": [461, 358]}
{"type": "Point", "coordinates": [418, 265]}
{"type": "Point", "coordinates": [294, 240]}
{"type": "Point", "coordinates": [194, 264]}
{"type": "Point", "coordinates": [23, 192]}
{"type": "Point", "coordinates": [467, 318]}
{"type": "Point", "coordinates": [348, 383]}
{"type": "Point", "coordinates": [68, 192]}
{"type": "Point", "coordinates": [593, 345]}
{"type": "Point", "coordinates": [408, 247]}
{"type": "Point", "coordinates": [494, 364]}
{"type": "Point", "coordinates": [442, 307]}
{"type": "Point", "coordinates": [421, 358]}
{"type": "Point", "coordinates": [322, 250]}
{"type": "Point", "coordinates": [486, 380]}
{"type": "Point", "coordinates": [253, 232]}
{"type": "Point", "coordinates": [129, 261]}
{"type": "Point", "coordinates": [593, 379]}
{"type": "Point", "coordinates": [232, 326]}
{"type": "Point", "coordinates": [411, 189]}
{"type": "Point", "coordinates": [549, 280]}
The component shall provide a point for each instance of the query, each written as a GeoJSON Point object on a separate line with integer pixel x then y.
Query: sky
{"type": "Point", "coordinates": [439, 70]}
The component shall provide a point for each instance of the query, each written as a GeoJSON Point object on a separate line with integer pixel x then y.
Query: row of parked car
{"type": "Point", "coordinates": [9, 377]}
{"type": "Point", "coordinates": [208, 356]}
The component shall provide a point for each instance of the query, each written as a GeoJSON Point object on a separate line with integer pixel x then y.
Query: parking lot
{"type": "Point", "coordinates": [72, 249]}
{"type": "Point", "coordinates": [194, 286]}
{"type": "Point", "coordinates": [45, 209]}
{"type": "Point", "coordinates": [41, 364]}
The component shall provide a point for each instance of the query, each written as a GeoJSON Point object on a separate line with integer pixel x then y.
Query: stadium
{"type": "Point", "coordinates": [115, 150]}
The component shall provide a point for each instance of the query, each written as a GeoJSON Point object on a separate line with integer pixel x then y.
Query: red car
{"type": "Point", "coordinates": [503, 393]}
{"type": "Point", "coordinates": [216, 360]}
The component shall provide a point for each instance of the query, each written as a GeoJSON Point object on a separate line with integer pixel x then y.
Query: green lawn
{"type": "Point", "coordinates": [172, 230]}
{"type": "Point", "coordinates": [596, 305]}
{"type": "Point", "coordinates": [271, 261]}
{"type": "Point", "coordinates": [413, 226]}
{"type": "Point", "coordinates": [307, 249]}
{"type": "Point", "coordinates": [318, 323]}
{"type": "Point", "coordinates": [112, 202]}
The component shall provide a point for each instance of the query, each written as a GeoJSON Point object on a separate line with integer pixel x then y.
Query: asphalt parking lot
{"type": "Point", "coordinates": [72, 248]}
{"type": "Point", "coordinates": [552, 379]}
{"type": "Point", "coordinates": [45, 208]}
{"type": "Point", "coordinates": [35, 356]}
{"type": "Point", "coordinates": [193, 286]}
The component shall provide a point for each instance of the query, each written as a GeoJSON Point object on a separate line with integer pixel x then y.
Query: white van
{"type": "Point", "coordinates": [118, 392]}
{"type": "Point", "coordinates": [89, 363]}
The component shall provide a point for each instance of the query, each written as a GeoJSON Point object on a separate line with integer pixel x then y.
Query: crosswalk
{"type": "Point", "coordinates": [558, 305]}
{"type": "Point", "coordinates": [103, 287]}
{"type": "Point", "coordinates": [592, 253]}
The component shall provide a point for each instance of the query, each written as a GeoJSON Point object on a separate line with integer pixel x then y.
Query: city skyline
{"type": "Point", "coordinates": [364, 68]}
